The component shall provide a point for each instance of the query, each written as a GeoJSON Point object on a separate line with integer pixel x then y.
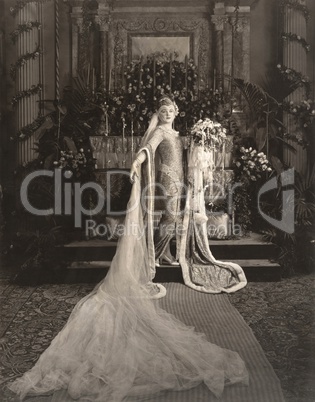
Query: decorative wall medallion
{"type": "Point", "coordinates": [159, 24]}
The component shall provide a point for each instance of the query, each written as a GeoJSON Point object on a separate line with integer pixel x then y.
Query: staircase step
{"type": "Point", "coordinates": [89, 260]}
{"type": "Point", "coordinates": [255, 270]}
{"type": "Point", "coordinates": [260, 270]}
{"type": "Point", "coordinates": [252, 247]}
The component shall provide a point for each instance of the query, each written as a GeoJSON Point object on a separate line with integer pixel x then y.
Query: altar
{"type": "Point", "coordinates": [119, 151]}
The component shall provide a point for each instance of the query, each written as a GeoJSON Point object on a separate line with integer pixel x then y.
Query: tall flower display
{"type": "Point", "coordinates": [145, 80]}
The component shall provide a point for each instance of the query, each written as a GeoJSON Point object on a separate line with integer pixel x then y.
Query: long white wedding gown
{"type": "Point", "coordinates": [118, 342]}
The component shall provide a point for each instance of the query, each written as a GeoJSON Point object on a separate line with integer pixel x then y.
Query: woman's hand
{"type": "Point", "coordinates": [136, 166]}
{"type": "Point", "coordinates": [135, 170]}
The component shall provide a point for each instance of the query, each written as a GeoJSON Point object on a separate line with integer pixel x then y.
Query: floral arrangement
{"type": "Point", "coordinates": [252, 164]}
{"type": "Point", "coordinates": [296, 5]}
{"type": "Point", "coordinates": [20, 4]}
{"type": "Point", "coordinates": [208, 133]}
{"type": "Point", "coordinates": [292, 75]}
{"type": "Point", "coordinates": [21, 28]}
{"type": "Point", "coordinates": [304, 111]}
{"type": "Point", "coordinates": [75, 163]}
{"type": "Point", "coordinates": [22, 60]}
{"type": "Point", "coordinates": [251, 169]}
{"type": "Point", "coordinates": [35, 89]}
{"type": "Point", "coordinates": [297, 38]}
{"type": "Point", "coordinates": [26, 131]}
{"type": "Point", "coordinates": [143, 82]}
{"type": "Point", "coordinates": [130, 108]}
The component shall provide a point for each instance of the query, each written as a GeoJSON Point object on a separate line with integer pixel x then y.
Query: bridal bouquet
{"type": "Point", "coordinates": [208, 133]}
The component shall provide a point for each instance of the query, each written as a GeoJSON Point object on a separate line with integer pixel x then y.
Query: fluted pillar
{"type": "Point", "coordinates": [76, 29]}
{"type": "Point", "coordinates": [29, 74]}
{"type": "Point", "coordinates": [219, 19]}
{"type": "Point", "coordinates": [294, 57]}
{"type": "Point", "coordinates": [103, 20]}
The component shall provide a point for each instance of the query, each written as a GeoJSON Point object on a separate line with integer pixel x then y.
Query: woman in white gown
{"type": "Point", "coordinates": [118, 342]}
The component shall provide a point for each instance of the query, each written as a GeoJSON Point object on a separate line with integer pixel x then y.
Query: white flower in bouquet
{"type": "Point", "coordinates": [208, 133]}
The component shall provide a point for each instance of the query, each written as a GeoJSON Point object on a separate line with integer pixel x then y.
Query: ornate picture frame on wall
{"type": "Point", "coordinates": [147, 43]}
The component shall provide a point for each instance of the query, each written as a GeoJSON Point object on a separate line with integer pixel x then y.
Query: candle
{"type": "Point", "coordinates": [122, 70]}
{"type": "Point", "coordinates": [123, 134]}
{"type": "Point", "coordinates": [186, 72]}
{"type": "Point", "coordinates": [171, 64]}
{"type": "Point", "coordinates": [131, 138]}
{"type": "Point", "coordinates": [101, 66]}
{"type": "Point", "coordinates": [154, 72]}
{"type": "Point", "coordinates": [198, 74]}
{"type": "Point", "coordinates": [93, 79]}
{"type": "Point", "coordinates": [223, 155]}
{"type": "Point", "coordinates": [214, 80]}
{"type": "Point", "coordinates": [140, 74]}
{"type": "Point", "coordinates": [110, 79]}
{"type": "Point", "coordinates": [106, 118]}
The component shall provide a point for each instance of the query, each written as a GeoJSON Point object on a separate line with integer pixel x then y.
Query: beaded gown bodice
{"type": "Point", "coordinates": [169, 147]}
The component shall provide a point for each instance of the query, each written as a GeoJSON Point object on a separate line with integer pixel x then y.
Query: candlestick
{"type": "Point", "coordinates": [211, 162]}
{"type": "Point", "coordinates": [110, 79]}
{"type": "Point", "coordinates": [93, 79]}
{"type": "Point", "coordinates": [171, 63]}
{"type": "Point", "coordinates": [101, 67]}
{"type": "Point", "coordinates": [154, 72]}
{"type": "Point", "coordinates": [122, 70]}
{"type": "Point", "coordinates": [198, 77]}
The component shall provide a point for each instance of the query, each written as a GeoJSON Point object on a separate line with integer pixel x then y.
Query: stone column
{"type": "Point", "coordinates": [103, 20]}
{"type": "Point", "coordinates": [219, 19]}
{"type": "Point", "coordinates": [29, 74]}
{"type": "Point", "coordinates": [294, 56]}
{"type": "Point", "coordinates": [76, 29]}
{"type": "Point", "coordinates": [240, 42]}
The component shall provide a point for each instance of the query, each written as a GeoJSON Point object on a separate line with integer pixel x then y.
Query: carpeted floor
{"type": "Point", "coordinates": [280, 315]}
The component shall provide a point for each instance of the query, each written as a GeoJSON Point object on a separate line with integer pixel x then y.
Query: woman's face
{"type": "Point", "coordinates": [166, 114]}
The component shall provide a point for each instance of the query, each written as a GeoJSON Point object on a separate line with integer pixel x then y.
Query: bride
{"type": "Point", "coordinates": [118, 342]}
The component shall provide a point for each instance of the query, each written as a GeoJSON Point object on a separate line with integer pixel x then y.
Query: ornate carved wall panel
{"type": "Point", "coordinates": [219, 40]}
{"type": "Point", "coordinates": [197, 29]}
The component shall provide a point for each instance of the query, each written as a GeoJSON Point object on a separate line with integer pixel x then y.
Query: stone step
{"type": "Point", "coordinates": [255, 270]}
{"type": "Point", "coordinates": [252, 247]}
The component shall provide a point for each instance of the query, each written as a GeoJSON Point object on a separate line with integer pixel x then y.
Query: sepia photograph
{"type": "Point", "coordinates": [157, 200]}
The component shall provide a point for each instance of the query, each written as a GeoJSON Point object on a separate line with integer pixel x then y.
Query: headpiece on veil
{"type": "Point", "coordinates": [168, 101]}
{"type": "Point", "coordinates": [165, 100]}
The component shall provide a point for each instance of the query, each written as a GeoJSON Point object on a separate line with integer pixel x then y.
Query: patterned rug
{"type": "Point", "coordinates": [280, 315]}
